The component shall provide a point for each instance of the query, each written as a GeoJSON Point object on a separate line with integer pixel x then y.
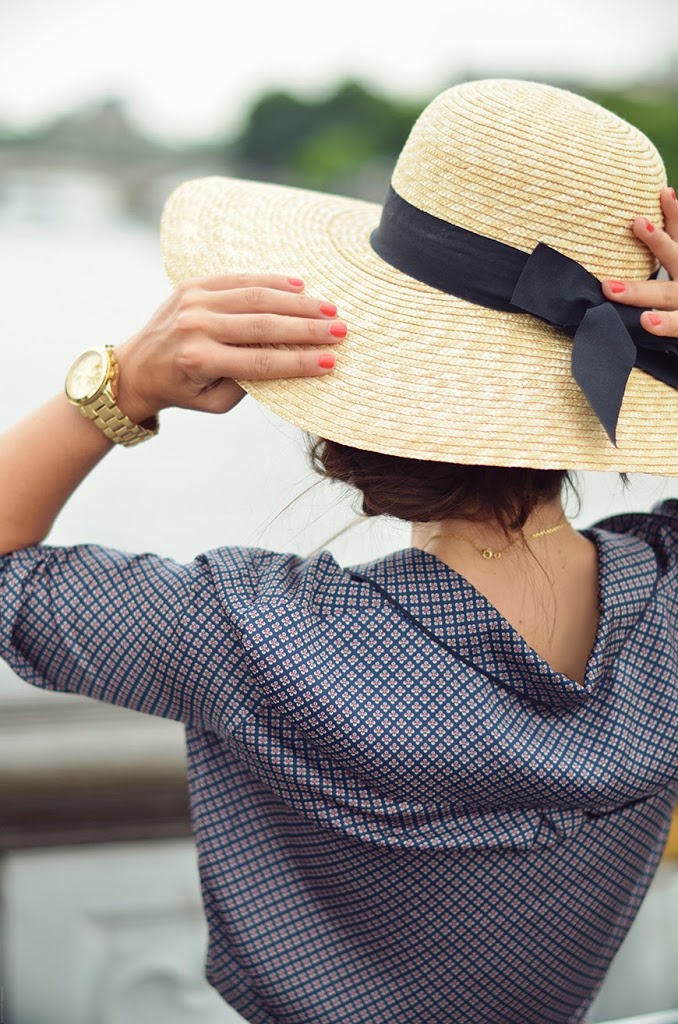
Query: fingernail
{"type": "Point", "coordinates": [326, 360]}
{"type": "Point", "coordinates": [328, 309]}
{"type": "Point", "coordinates": [654, 319]}
{"type": "Point", "coordinates": [617, 287]}
{"type": "Point", "coordinates": [673, 194]}
{"type": "Point", "coordinates": [339, 330]}
{"type": "Point", "coordinates": [296, 282]}
{"type": "Point", "coordinates": [649, 225]}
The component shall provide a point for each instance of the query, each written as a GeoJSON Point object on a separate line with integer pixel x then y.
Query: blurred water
{"type": "Point", "coordinates": [205, 481]}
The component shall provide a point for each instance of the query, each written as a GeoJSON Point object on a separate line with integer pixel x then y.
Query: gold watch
{"type": "Point", "coordinates": [92, 385]}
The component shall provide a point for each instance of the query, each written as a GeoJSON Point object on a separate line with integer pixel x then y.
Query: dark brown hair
{"type": "Point", "coordinates": [420, 491]}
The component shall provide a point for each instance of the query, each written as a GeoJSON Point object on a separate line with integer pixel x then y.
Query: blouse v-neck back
{"type": "Point", "coordinates": [461, 579]}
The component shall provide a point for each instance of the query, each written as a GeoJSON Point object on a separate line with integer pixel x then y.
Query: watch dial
{"type": "Point", "coordinates": [86, 376]}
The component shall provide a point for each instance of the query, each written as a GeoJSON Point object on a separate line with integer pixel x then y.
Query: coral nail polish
{"type": "Point", "coordinates": [673, 194]}
{"type": "Point", "coordinates": [655, 319]}
{"type": "Point", "coordinates": [328, 309]}
{"type": "Point", "coordinates": [649, 225]}
{"type": "Point", "coordinates": [326, 360]}
{"type": "Point", "coordinates": [338, 330]}
{"type": "Point", "coordinates": [617, 287]}
{"type": "Point", "coordinates": [296, 282]}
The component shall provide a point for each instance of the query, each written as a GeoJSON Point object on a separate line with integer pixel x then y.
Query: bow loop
{"type": "Point", "coordinates": [556, 288]}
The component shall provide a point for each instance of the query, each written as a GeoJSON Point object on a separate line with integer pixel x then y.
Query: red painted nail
{"type": "Point", "coordinates": [326, 360]}
{"type": "Point", "coordinates": [673, 194]}
{"type": "Point", "coordinates": [328, 308]}
{"type": "Point", "coordinates": [617, 287]}
{"type": "Point", "coordinates": [655, 319]}
{"type": "Point", "coordinates": [649, 225]}
{"type": "Point", "coordinates": [296, 282]}
{"type": "Point", "coordinates": [338, 330]}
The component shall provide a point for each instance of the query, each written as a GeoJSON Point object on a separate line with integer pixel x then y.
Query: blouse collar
{"type": "Point", "coordinates": [444, 604]}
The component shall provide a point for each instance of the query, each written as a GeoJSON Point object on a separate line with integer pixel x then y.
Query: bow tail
{"type": "Point", "coordinates": [603, 355]}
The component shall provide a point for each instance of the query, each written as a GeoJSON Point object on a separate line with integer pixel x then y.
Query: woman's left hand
{"type": "Point", "coordinates": [213, 331]}
{"type": "Point", "coordinates": [661, 297]}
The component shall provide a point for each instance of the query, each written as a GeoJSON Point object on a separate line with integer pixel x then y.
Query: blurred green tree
{"type": "Point", "coordinates": [335, 141]}
{"type": "Point", "coordinates": [318, 143]}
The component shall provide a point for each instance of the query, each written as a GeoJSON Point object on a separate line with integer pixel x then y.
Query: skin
{"type": "Point", "coordinates": [547, 587]}
{"type": "Point", "coordinates": [212, 331]}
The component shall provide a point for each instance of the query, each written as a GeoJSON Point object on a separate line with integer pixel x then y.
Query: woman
{"type": "Point", "coordinates": [434, 787]}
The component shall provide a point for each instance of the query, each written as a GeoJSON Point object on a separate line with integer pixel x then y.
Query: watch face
{"type": "Point", "coordinates": [86, 376]}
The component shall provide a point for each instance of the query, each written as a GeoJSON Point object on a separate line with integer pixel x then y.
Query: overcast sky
{"type": "Point", "coordinates": [189, 68]}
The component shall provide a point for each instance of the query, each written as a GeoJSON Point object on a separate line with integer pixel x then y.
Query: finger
{"type": "Point", "coordinates": [271, 329]}
{"type": "Point", "coordinates": [662, 324]}
{"type": "Point", "coordinates": [656, 294]}
{"type": "Point", "coordinates": [227, 282]}
{"type": "Point", "coordinates": [659, 242]}
{"type": "Point", "coordinates": [258, 300]}
{"type": "Point", "coordinates": [209, 362]}
{"type": "Point", "coordinates": [670, 211]}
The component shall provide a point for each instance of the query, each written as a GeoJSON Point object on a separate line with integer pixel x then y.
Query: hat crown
{"type": "Point", "coordinates": [425, 373]}
{"type": "Point", "coordinates": [522, 163]}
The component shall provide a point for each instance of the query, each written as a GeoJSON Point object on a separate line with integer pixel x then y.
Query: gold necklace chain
{"type": "Point", "coordinates": [488, 552]}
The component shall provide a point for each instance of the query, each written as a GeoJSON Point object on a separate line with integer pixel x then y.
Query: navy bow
{"type": "Point", "coordinates": [608, 340]}
{"type": "Point", "coordinates": [606, 335]}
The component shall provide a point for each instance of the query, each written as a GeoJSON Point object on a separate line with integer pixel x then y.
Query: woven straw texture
{"type": "Point", "coordinates": [424, 374]}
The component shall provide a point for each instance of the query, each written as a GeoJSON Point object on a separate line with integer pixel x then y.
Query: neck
{"type": "Point", "coordinates": [433, 537]}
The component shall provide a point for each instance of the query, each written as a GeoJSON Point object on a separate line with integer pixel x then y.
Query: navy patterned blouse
{"type": "Point", "coordinates": [402, 813]}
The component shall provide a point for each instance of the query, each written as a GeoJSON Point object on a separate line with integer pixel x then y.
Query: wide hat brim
{"type": "Point", "coordinates": [421, 373]}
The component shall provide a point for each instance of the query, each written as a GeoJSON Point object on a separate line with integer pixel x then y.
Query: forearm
{"type": "Point", "coordinates": [43, 459]}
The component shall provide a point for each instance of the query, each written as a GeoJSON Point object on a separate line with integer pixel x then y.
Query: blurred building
{"type": "Point", "coordinates": [94, 163]}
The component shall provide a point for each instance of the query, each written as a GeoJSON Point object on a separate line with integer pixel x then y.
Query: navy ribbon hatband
{"type": "Point", "coordinates": [608, 339]}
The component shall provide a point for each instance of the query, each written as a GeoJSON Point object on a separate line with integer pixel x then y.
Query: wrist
{"type": "Point", "coordinates": [129, 399]}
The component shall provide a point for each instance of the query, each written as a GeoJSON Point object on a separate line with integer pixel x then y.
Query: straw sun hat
{"type": "Point", "coordinates": [452, 354]}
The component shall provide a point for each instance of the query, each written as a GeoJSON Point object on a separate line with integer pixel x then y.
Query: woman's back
{"type": "Point", "coordinates": [401, 811]}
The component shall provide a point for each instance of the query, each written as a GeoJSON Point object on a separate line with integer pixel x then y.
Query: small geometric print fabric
{"type": "Point", "coordinates": [403, 815]}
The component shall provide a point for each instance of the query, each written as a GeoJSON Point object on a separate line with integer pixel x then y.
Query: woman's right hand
{"type": "Point", "coordinates": [658, 298]}
{"type": "Point", "coordinates": [212, 331]}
